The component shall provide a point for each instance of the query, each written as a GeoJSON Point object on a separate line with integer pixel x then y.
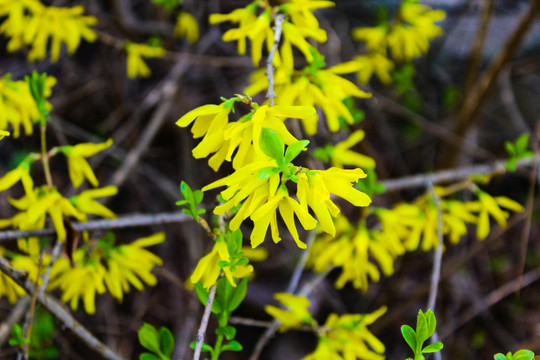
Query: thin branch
{"type": "Point", "coordinates": [278, 27]}
{"type": "Point", "coordinates": [437, 262]}
{"type": "Point", "coordinates": [16, 315]}
{"type": "Point", "coordinates": [204, 323]}
{"type": "Point", "coordinates": [452, 175]}
{"type": "Point", "coordinates": [58, 311]}
{"type": "Point", "coordinates": [127, 221]}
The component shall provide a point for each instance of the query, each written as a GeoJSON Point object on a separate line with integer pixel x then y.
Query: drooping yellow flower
{"type": "Point", "coordinates": [20, 173]}
{"type": "Point", "coordinates": [3, 134]}
{"type": "Point", "coordinates": [85, 203]}
{"type": "Point", "coordinates": [207, 271]}
{"type": "Point", "coordinates": [311, 86]}
{"type": "Point", "coordinates": [295, 316]}
{"type": "Point", "coordinates": [223, 138]}
{"type": "Point", "coordinates": [341, 155]}
{"type": "Point", "coordinates": [105, 267]}
{"type": "Point", "coordinates": [347, 337]}
{"type": "Point", "coordinates": [30, 23]}
{"type": "Point", "coordinates": [17, 106]}
{"type": "Point", "coordinates": [488, 205]}
{"type": "Point", "coordinates": [135, 58]}
{"type": "Point", "coordinates": [78, 167]}
{"type": "Point", "coordinates": [186, 26]}
{"type": "Point", "coordinates": [367, 65]}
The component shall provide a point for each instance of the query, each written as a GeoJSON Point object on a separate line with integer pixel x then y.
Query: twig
{"type": "Point", "coordinates": [444, 176]}
{"type": "Point", "coordinates": [530, 198]}
{"type": "Point", "coordinates": [204, 323]}
{"type": "Point", "coordinates": [127, 221]}
{"type": "Point", "coordinates": [58, 311]}
{"type": "Point", "coordinates": [278, 27]}
{"type": "Point", "coordinates": [473, 104]}
{"type": "Point", "coordinates": [17, 313]}
{"type": "Point", "coordinates": [437, 261]}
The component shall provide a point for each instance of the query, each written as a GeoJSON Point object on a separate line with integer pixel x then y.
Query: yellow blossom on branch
{"type": "Point", "coordinates": [30, 23]}
{"type": "Point", "coordinates": [85, 203]}
{"type": "Point", "coordinates": [135, 58]}
{"type": "Point", "coordinates": [186, 26]}
{"type": "Point", "coordinates": [295, 316]}
{"type": "Point", "coordinates": [78, 166]}
{"type": "Point", "coordinates": [20, 173]}
{"type": "Point", "coordinates": [105, 267]}
{"type": "Point", "coordinates": [367, 65]}
{"type": "Point", "coordinates": [3, 134]}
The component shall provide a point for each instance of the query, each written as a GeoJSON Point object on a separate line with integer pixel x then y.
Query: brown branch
{"type": "Point", "coordinates": [204, 323]}
{"type": "Point", "coordinates": [474, 102]}
{"type": "Point", "coordinates": [128, 221]}
{"type": "Point", "coordinates": [58, 311]}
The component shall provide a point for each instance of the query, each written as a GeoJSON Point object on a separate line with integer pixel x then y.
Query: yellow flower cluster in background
{"type": "Point", "coordinates": [186, 26]}
{"type": "Point", "coordinates": [30, 23]}
{"type": "Point", "coordinates": [299, 25]}
{"type": "Point", "coordinates": [136, 53]}
{"type": "Point", "coordinates": [17, 107]}
{"type": "Point", "coordinates": [295, 316]}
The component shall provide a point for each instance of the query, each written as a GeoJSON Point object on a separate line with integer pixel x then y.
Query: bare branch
{"type": "Point", "coordinates": [278, 27]}
{"type": "Point", "coordinates": [204, 323]}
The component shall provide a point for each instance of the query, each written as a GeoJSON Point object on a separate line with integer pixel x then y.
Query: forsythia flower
{"type": "Point", "coordinates": [353, 250]}
{"type": "Point", "coordinates": [299, 25]}
{"type": "Point", "coordinates": [105, 267]}
{"type": "Point", "coordinates": [85, 203]}
{"type": "Point", "coordinates": [312, 86]}
{"type": "Point", "coordinates": [187, 26]}
{"type": "Point", "coordinates": [20, 173]}
{"type": "Point", "coordinates": [135, 58]}
{"type": "Point", "coordinates": [3, 134]}
{"type": "Point", "coordinates": [488, 205]}
{"type": "Point", "coordinates": [347, 338]}
{"type": "Point", "coordinates": [222, 137]}
{"type": "Point", "coordinates": [295, 316]}
{"type": "Point", "coordinates": [17, 106]}
{"type": "Point", "coordinates": [31, 23]}
{"type": "Point", "coordinates": [78, 166]}
{"type": "Point", "coordinates": [341, 155]}
{"type": "Point", "coordinates": [366, 66]}
{"type": "Point", "coordinates": [207, 270]}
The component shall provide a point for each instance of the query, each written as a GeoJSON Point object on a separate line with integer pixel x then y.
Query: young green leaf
{"type": "Point", "coordinates": [148, 356]}
{"type": "Point", "coordinates": [409, 335]}
{"type": "Point", "coordinates": [238, 295]}
{"type": "Point", "coordinates": [149, 338]}
{"type": "Point", "coordinates": [228, 331]}
{"type": "Point", "coordinates": [421, 328]}
{"type": "Point", "coordinates": [433, 347]}
{"type": "Point", "coordinates": [205, 347]}
{"type": "Point", "coordinates": [267, 172]}
{"type": "Point", "coordinates": [272, 144]}
{"type": "Point", "coordinates": [232, 346]}
{"type": "Point", "coordinates": [431, 323]}
{"type": "Point", "coordinates": [294, 150]}
{"type": "Point", "coordinates": [166, 341]}
{"type": "Point", "coordinates": [499, 356]}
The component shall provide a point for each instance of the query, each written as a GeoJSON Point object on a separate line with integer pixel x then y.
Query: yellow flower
{"type": "Point", "coordinates": [30, 23]}
{"type": "Point", "coordinates": [295, 316]}
{"type": "Point", "coordinates": [3, 134]}
{"type": "Point", "coordinates": [348, 335]}
{"type": "Point", "coordinates": [135, 58]}
{"type": "Point", "coordinates": [223, 138]}
{"type": "Point", "coordinates": [17, 106]}
{"type": "Point", "coordinates": [105, 267]}
{"type": "Point", "coordinates": [20, 173]}
{"type": "Point", "coordinates": [187, 26]}
{"type": "Point", "coordinates": [78, 166]}
{"type": "Point", "coordinates": [207, 271]}
{"type": "Point", "coordinates": [488, 205]}
{"type": "Point", "coordinates": [245, 17]}
{"type": "Point", "coordinates": [342, 155]}
{"type": "Point", "coordinates": [366, 66]}
{"type": "Point", "coordinates": [311, 86]}
{"type": "Point", "coordinates": [85, 203]}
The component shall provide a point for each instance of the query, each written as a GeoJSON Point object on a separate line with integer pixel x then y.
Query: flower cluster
{"type": "Point", "coordinates": [17, 107]}
{"type": "Point", "coordinates": [135, 58]}
{"type": "Point", "coordinates": [255, 23]}
{"type": "Point", "coordinates": [186, 26]}
{"type": "Point", "coordinates": [30, 23]}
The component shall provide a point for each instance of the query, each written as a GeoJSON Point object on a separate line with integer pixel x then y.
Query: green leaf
{"type": "Point", "coordinates": [409, 335]}
{"type": "Point", "coordinates": [205, 347]}
{"type": "Point", "coordinates": [294, 150]}
{"type": "Point", "coordinates": [421, 328]}
{"type": "Point", "coordinates": [223, 263]}
{"type": "Point", "coordinates": [242, 261]}
{"type": "Point", "coordinates": [266, 172]}
{"type": "Point", "coordinates": [522, 143]}
{"type": "Point", "coordinates": [272, 144]}
{"type": "Point", "coordinates": [232, 346]}
{"type": "Point", "coordinates": [228, 331]}
{"type": "Point", "coordinates": [166, 341]}
{"type": "Point", "coordinates": [149, 338]}
{"type": "Point", "coordinates": [148, 356]}
{"type": "Point", "coordinates": [431, 322]}
{"type": "Point", "coordinates": [238, 295]}
{"type": "Point", "coordinates": [523, 355]}
{"type": "Point", "coordinates": [433, 347]}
